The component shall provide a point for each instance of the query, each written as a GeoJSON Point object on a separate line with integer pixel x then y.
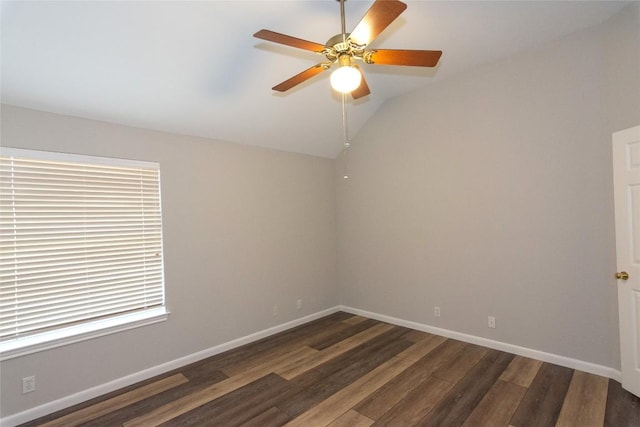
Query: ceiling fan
{"type": "Point", "coordinates": [345, 48]}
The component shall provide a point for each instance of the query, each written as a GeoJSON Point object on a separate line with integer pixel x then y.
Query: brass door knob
{"type": "Point", "coordinates": [622, 275]}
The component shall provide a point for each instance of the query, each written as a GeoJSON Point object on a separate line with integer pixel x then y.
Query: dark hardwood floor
{"type": "Point", "coordinates": [346, 370]}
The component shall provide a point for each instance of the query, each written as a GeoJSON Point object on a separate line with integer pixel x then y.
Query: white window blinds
{"type": "Point", "coordinates": [80, 240]}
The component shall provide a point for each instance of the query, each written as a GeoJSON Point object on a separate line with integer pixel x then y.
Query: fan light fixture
{"type": "Point", "coordinates": [343, 49]}
{"type": "Point", "coordinates": [346, 78]}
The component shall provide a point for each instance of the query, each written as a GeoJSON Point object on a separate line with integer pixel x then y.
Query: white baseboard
{"type": "Point", "coordinates": [567, 362]}
{"type": "Point", "coordinates": [74, 399]}
{"type": "Point", "coordinates": [83, 396]}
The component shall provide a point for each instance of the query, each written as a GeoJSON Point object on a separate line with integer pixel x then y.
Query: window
{"type": "Point", "coordinates": [80, 248]}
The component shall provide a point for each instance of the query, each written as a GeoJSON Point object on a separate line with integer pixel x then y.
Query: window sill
{"type": "Point", "coordinates": [86, 331]}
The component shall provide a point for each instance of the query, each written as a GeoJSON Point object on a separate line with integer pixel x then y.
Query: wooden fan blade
{"type": "Point", "coordinates": [363, 89]}
{"type": "Point", "coordinates": [417, 58]}
{"type": "Point", "coordinates": [272, 36]}
{"type": "Point", "coordinates": [301, 77]}
{"type": "Point", "coordinates": [378, 17]}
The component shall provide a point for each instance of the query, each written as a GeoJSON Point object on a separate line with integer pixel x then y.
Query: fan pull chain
{"type": "Point", "coordinates": [345, 135]}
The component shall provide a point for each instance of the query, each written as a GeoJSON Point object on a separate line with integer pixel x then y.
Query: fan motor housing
{"type": "Point", "coordinates": [338, 44]}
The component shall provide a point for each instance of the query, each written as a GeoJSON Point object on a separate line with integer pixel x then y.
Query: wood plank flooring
{"type": "Point", "coordinates": [345, 370]}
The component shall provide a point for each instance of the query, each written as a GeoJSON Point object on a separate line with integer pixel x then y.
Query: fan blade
{"type": "Point", "coordinates": [272, 36]}
{"type": "Point", "coordinates": [418, 58]}
{"type": "Point", "coordinates": [378, 17]}
{"type": "Point", "coordinates": [301, 77]}
{"type": "Point", "coordinates": [363, 89]}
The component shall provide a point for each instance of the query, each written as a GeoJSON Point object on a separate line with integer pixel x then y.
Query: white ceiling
{"type": "Point", "coordinates": [194, 68]}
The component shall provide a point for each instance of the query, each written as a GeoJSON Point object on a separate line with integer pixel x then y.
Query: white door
{"type": "Point", "coordinates": [626, 173]}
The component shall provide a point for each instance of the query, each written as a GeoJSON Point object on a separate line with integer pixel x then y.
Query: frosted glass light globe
{"type": "Point", "coordinates": [346, 79]}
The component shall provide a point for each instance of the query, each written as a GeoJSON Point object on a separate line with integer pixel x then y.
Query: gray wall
{"type": "Point", "coordinates": [491, 194]}
{"type": "Point", "coordinates": [244, 229]}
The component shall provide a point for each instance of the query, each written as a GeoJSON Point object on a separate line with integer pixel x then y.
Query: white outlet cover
{"type": "Point", "coordinates": [491, 322]}
{"type": "Point", "coordinates": [28, 384]}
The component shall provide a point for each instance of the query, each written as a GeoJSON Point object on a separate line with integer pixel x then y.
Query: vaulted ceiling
{"type": "Point", "coordinates": [193, 68]}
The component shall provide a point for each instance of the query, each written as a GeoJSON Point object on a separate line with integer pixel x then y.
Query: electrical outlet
{"type": "Point", "coordinates": [436, 311]}
{"type": "Point", "coordinates": [299, 304]}
{"type": "Point", "coordinates": [491, 322]}
{"type": "Point", "coordinates": [28, 384]}
{"type": "Point", "coordinates": [275, 310]}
